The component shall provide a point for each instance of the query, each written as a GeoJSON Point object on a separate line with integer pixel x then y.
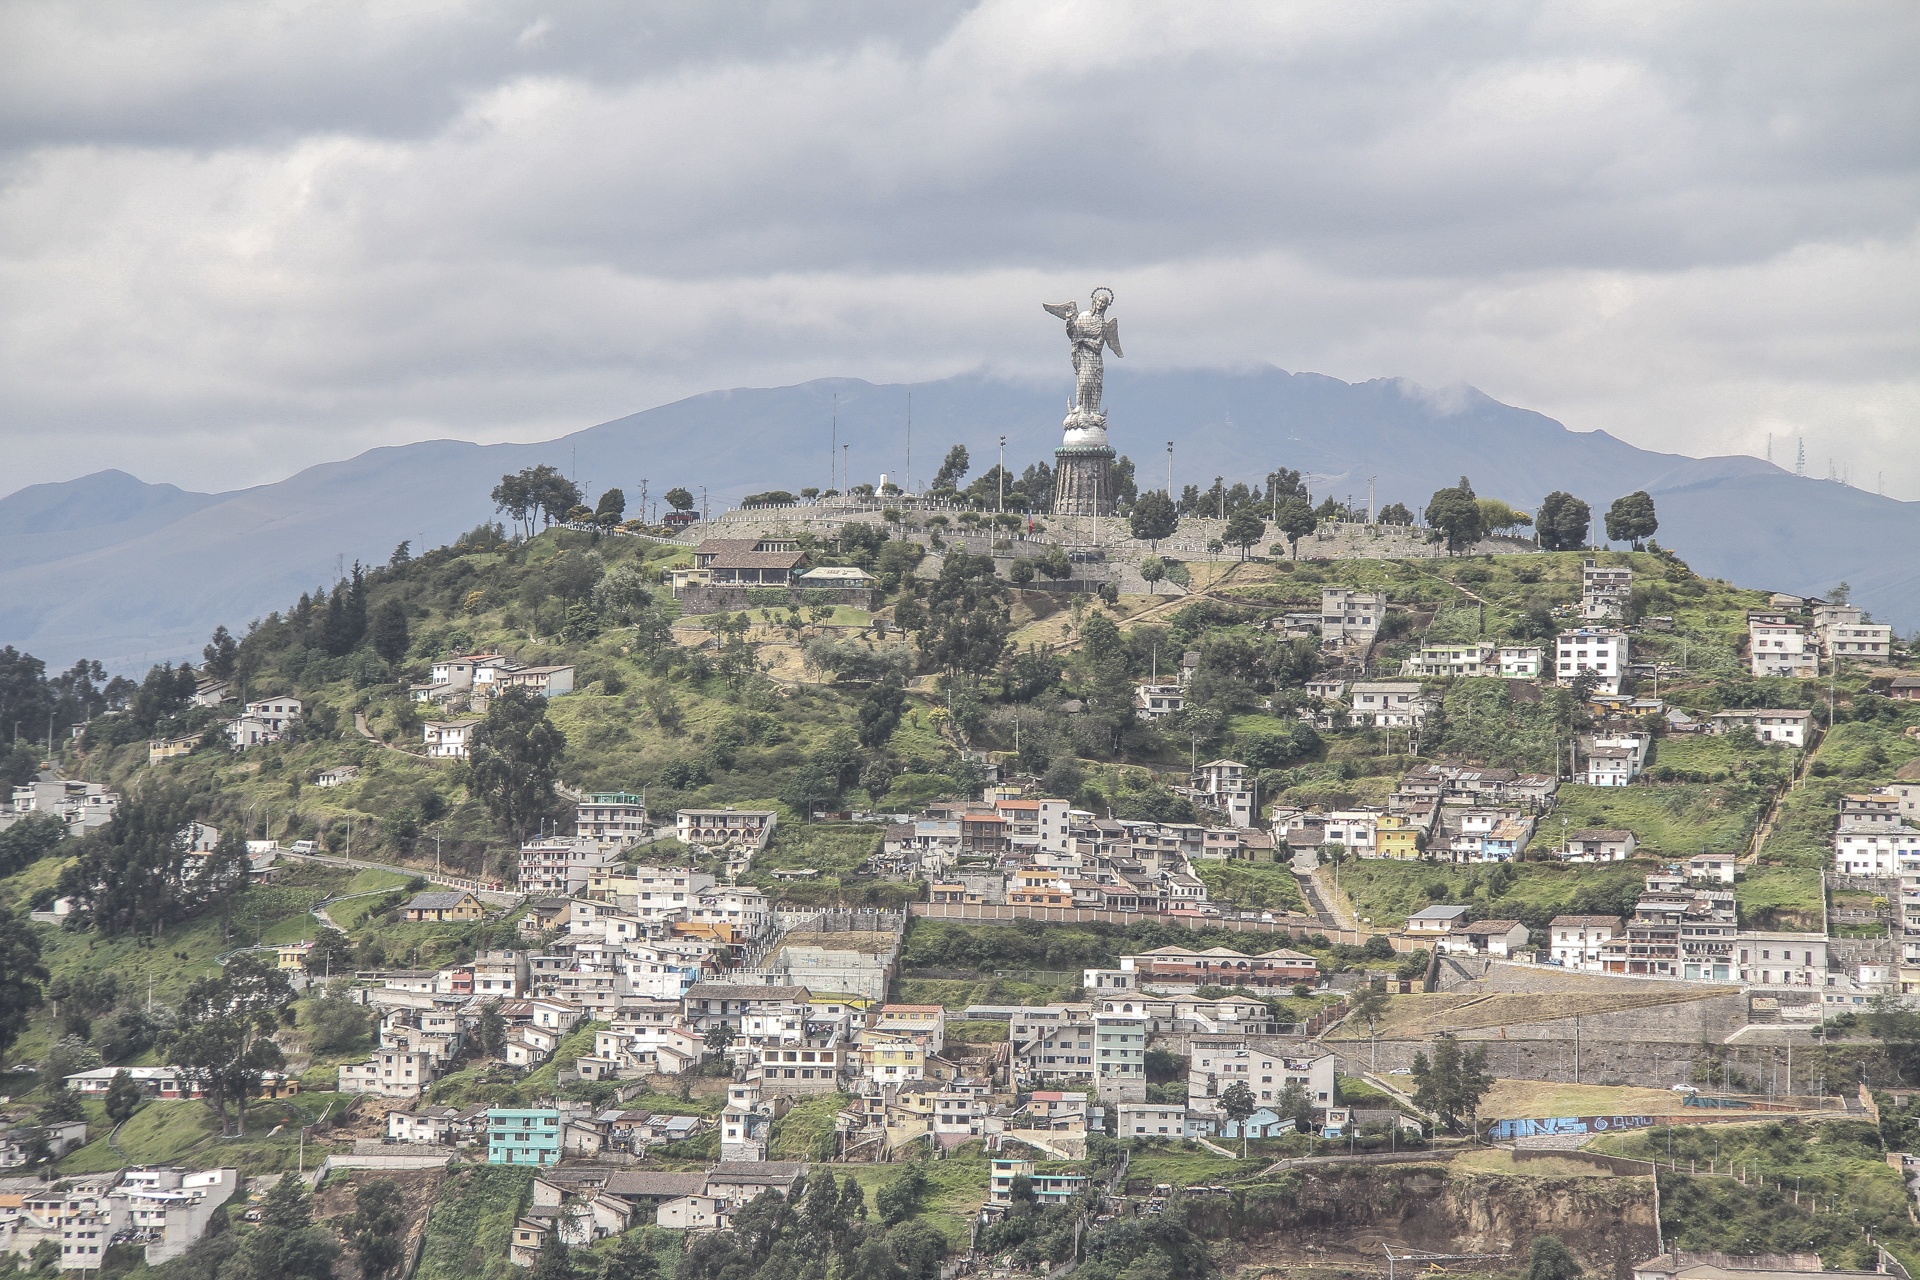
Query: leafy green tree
{"type": "Point", "coordinates": [1295, 1104]}
{"type": "Point", "coordinates": [1498, 517]}
{"type": "Point", "coordinates": [337, 1023]}
{"type": "Point", "coordinates": [1453, 1082]}
{"type": "Point", "coordinates": [611, 509]}
{"type": "Point", "coordinates": [1632, 519]}
{"type": "Point", "coordinates": [952, 470]}
{"type": "Point", "coordinates": [623, 592]}
{"type": "Point", "coordinates": [1396, 513]}
{"type": "Point", "coordinates": [899, 1198]}
{"type": "Point", "coordinates": [965, 625]}
{"type": "Point", "coordinates": [514, 498]}
{"type": "Point", "coordinates": [679, 499]}
{"type": "Point", "coordinates": [123, 1097]}
{"type": "Point", "coordinates": [514, 760]}
{"type": "Point", "coordinates": [1550, 1259]}
{"type": "Point", "coordinates": [376, 1227]}
{"type": "Point", "coordinates": [332, 953]}
{"type": "Point", "coordinates": [62, 1105]}
{"type": "Point", "coordinates": [1236, 1102]}
{"type": "Point", "coordinates": [1153, 517]}
{"type": "Point", "coordinates": [1294, 519]}
{"type": "Point", "coordinates": [555, 1261]}
{"type": "Point", "coordinates": [491, 1029]}
{"type": "Point", "coordinates": [21, 974]}
{"type": "Point", "coordinates": [29, 839]}
{"type": "Point", "coordinates": [1021, 572]}
{"type": "Point", "coordinates": [1153, 570]}
{"type": "Point", "coordinates": [219, 653]}
{"type": "Point", "coordinates": [226, 1029]}
{"type": "Point", "coordinates": [389, 631]}
{"type": "Point", "coordinates": [880, 713]}
{"type": "Point", "coordinates": [287, 1206]}
{"type": "Point", "coordinates": [582, 624]}
{"type": "Point", "coordinates": [630, 1258]}
{"type": "Point", "coordinates": [19, 765]}
{"type": "Point", "coordinates": [1563, 522]}
{"type": "Point", "coordinates": [130, 875]}
{"type": "Point", "coordinates": [1244, 528]}
{"type": "Point", "coordinates": [719, 1038]}
{"type": "Point", "coordinates": [1455, 513]}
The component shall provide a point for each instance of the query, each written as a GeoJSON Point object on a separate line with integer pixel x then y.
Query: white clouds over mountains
{"type": "Point", "coordinates": [238, 239]}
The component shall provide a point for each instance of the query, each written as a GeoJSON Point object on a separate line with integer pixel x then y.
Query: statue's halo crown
{"type": "Point", "coordinates": [1097, 292]}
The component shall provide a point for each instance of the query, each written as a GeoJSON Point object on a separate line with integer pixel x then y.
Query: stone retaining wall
{"type": "Point", "coordinates": [698, 598]}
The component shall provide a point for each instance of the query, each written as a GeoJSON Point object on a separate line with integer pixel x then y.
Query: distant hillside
{"type": "Point", "coordinates": [107, 567]}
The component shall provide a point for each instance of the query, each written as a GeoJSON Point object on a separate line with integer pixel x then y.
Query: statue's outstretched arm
{"type": "Point", "coordinates": [1113, 337]}
{"type": "Point", "coordinates": [1065, 310]}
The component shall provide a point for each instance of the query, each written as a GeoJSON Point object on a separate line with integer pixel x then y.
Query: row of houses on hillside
{"type": "Point", "coordinates": [160, 1211]}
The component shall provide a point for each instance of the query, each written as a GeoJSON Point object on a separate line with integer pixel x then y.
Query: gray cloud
{"type": "Point", "coordinates": [238, 239]}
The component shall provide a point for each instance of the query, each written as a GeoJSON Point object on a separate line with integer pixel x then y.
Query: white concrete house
{"type": "Point", "coordinates": [449, 739]}
{"type": "Point", "coordinates": [1600, 650]}
{"type": "Point", "coordinates": [1768, 725]}
{"type": "Point", "coordinates": [1574, 941]}
{"type": "Point", "coordinates": [1876, 849]}
{"type": "Point", "coordinates": [1776, 647]}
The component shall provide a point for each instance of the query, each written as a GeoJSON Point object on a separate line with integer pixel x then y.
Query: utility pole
{"type": "Point", "coordinates": [909, 444]}
{"type": "Point", "coordinates": [1169, 470]}
{"type": "Point", "coordinates": [1003, 475]}
{"type": "Point", "coordinates": [833, 442]}
{"type": "Point", "coordinates": [846, 457]}
{"type": "Point", "coordinates": [703, 503]}
{"type": "Point", "coordinates": [1372, 515]}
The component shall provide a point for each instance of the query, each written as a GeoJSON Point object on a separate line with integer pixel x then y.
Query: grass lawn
{"type": "Point", "coordinates": [1542, 1099]}
{"type": "Point", "coordinates": [1159, 1161]}
{"type": "Point", "coordinates": [1706, 753]}
{"type": "Point", "coordinates": [1387, 891]}
{"type": "Point", "coordinates": [806, 1132]}
{"type": "Point", "coordinates": [493, 1083]}
{"type": "Point", "coordinates": [1779, 898]}
{"type": "Point", "coordinates": [1672, 818]}
{"type": "Point", "coordinates": [1262, 885]}
{"type": "Point", "coordinates": [956, 1188]}
{"type": "Point", "coordinates": [1503, 1164]}
{"type": "Point", "coordinates": [1851, 758]}
{"type": "Point", "coordinates": [976, 1032]}
{"type": "Point", "coordinates": [186, 1133]}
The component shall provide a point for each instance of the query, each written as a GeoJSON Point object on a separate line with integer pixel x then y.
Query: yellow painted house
{"type": "Point", "coordinates": [886, 1060]}
{"type": "Point", "coordinates": [1395, 837]}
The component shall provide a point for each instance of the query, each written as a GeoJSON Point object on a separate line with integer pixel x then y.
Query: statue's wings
{"type": "Point", "coordinates": [1065, 310]}
{"type": "Point", "coordinates": [1113, 337]}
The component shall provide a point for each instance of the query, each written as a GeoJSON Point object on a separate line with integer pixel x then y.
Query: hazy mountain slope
{"type": "Point", "coordinates": [150, 577]}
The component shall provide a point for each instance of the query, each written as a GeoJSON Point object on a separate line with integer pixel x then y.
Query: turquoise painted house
{"type": "Point", "coordinates": [523, 1135]}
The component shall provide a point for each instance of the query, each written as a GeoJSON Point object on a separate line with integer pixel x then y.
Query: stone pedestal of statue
{"type": "Point", "coordinates": [1082, 467]}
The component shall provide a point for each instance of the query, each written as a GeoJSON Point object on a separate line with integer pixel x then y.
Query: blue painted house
{"type": "Point", "coordinates": [523, 1135]}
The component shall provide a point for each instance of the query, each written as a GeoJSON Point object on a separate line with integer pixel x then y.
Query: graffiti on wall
{"type": "Point", "coordinates": [1507, 1130]}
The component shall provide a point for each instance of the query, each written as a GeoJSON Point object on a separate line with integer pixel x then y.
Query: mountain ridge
{"type": "Point", "coordinates": [152, 582]}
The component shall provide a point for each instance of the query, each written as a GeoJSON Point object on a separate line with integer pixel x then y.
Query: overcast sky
{"type": "Point", "coordinates": [239, 239]}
